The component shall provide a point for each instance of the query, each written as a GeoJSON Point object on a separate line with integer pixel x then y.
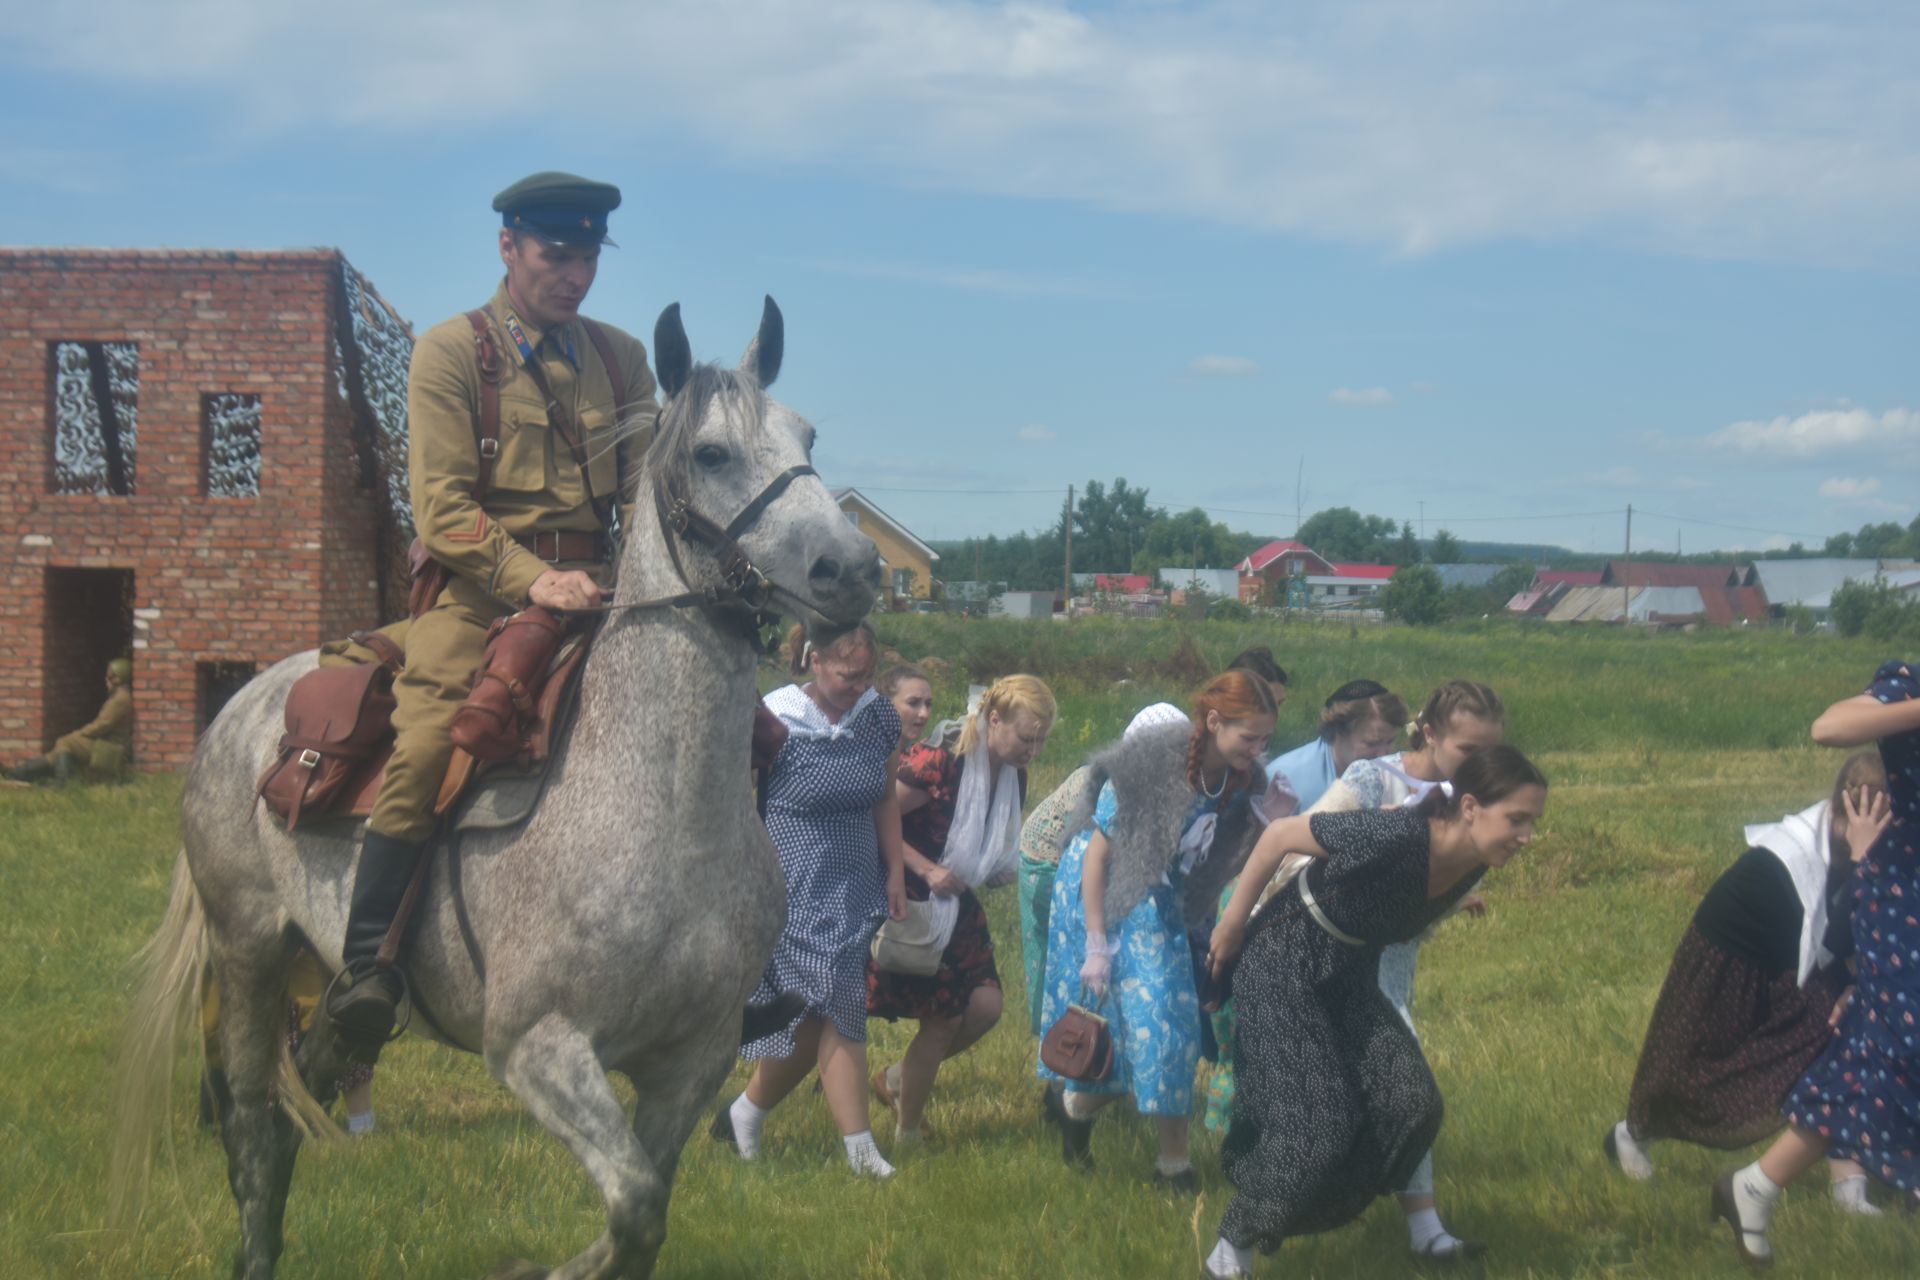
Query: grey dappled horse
{"type": "Point", "coordinates": [621, 929]}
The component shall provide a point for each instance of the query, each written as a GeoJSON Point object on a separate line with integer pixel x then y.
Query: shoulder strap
{"type": "Point", "coordinates": [615, 374]}
{"type": "Point", "coordinates": [487, 432]}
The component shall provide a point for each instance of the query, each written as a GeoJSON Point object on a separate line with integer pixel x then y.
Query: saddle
{"type": "Point", "coordinates": [339, 716]}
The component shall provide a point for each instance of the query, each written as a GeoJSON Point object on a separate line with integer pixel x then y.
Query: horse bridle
{"type": "Point", "coordinates": [744, 588]}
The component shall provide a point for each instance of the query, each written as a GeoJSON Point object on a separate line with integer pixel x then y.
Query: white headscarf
{"type": "Point", "coordinates": [1804, 844]}
{"type": "Point", "coordinates": [983, 840]}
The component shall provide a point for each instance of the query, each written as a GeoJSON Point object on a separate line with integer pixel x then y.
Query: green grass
{"type": "Point", "coordinates": [1659, 748]}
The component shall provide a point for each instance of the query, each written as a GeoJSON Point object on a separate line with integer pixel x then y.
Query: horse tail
{"type": "Point", "coordinates": [166, 1006]}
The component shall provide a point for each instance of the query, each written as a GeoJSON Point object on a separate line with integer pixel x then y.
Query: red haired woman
{"type": "Point", "coordinates": [1167, 820]}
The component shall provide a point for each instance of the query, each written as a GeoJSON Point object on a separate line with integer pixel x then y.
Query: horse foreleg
{"type": "Point", "coordinates": [554, 1071]}
{"type": "Point", "coordinates": [253, 1018]}
{"type": "Point", "coordinates": [671, 1097]}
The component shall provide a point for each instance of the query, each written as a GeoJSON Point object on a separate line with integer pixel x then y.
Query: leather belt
{"type": "Point", "coordinates": [557, 545]}
{"type": "Point", "coordinates": [1334, 931]}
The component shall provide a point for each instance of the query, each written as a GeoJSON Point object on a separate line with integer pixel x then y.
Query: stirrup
{"type": "Point", "coordinates": [360, 970]}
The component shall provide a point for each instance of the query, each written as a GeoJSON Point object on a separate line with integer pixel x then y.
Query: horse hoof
{"type": "Point", "coordinates": [517, 1269]}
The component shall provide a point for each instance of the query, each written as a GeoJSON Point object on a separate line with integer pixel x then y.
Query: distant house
{"type": "Point", "coordinates": [1270, 567]}
{"type": "Point", "coordinates": [1467, 575]}
{"type": "Point", "coordinates": [1022, 604]}
{"type": "Point", "coordinates": [1550, 586]}
{"type": "Point", "coordinates": [1811, 583]}
{"type": "Point", "coordinates": [1348, 584]}
{"type": "Point", "coordinates": [1122, 584]}
{"type": "Point", "coordinates": [908, 563]}
{"type": "Point", "coordinates": [1664, 594]}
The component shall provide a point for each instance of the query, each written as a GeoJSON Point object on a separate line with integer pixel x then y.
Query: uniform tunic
{"type": "Point", "coordinates": [104, 742]}
{"type": "Point", "coordinates": [820, 796]}
{"type": "Point", "coordinates": [536, 487]}
{"type": "Point", "coordinates": [1334, 1104]}
{"type": "Point", "coordinates": [1863, 1093]}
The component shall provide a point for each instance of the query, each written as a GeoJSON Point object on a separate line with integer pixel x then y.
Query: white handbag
{"type": "Point", "coordinates": [913, 945]}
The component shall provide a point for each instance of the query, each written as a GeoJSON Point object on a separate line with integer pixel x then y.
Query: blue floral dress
{"type": "Point", "coordinates": [821, 792]}
{"type": "Point", "coordinates": [1151, 1005]}
{"type": "Point", "coordinates": [1863, 1093]}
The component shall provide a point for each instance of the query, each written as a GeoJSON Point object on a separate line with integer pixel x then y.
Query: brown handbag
{"type": "Point", "coordinates": [1079, 1045]}
{"type": "Point", "coordinates": [494, 722]}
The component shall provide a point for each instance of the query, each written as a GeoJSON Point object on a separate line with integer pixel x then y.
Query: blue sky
{"type": "Point", "coordinates": [1521, 262]}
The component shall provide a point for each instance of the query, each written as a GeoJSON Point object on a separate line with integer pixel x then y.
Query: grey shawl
{"type": "Point", "coordinates": [1151, 800]}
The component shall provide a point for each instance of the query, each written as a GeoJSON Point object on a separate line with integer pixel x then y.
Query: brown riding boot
{"type": "Point", "coordinates": [363, 1004]}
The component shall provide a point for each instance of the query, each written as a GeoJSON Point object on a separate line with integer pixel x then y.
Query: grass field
{"type": "Point", "coordinates": [1659, 749]}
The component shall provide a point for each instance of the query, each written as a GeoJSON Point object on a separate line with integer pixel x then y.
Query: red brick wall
{"type": "Point", "coordinates": [215, 579]}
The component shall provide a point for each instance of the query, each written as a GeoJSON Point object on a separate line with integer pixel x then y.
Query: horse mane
{"type": "Point", "coordinates": [681, 417]}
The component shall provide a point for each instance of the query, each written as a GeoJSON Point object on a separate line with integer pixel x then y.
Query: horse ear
{"type": "Point", "coordinates": [672, 357]}
{"type": "Point", "coordinates": [768, 346]}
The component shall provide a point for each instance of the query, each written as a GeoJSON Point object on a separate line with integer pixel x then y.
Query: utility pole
{"type": "Point", "coordinates": [1423, 521]}
{"type": "Point", "coordinates": [1626, 597]}
{"type": "Point", "coordinates": [1299, 481]}
{"type": "Point", "coordinates": [1066, 586]}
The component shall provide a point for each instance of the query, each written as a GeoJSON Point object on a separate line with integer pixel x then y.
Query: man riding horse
{"type": "Point", "coordinates": [527, 422]}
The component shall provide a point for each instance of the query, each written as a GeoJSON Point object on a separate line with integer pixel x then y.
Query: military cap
{"type": "Point", "coordinates": [558, 207]}
{"type": "Point", "coordinates": [121, 669]}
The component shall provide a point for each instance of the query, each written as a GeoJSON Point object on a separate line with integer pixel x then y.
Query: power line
{"type": "Point", "coordinates": [1741, 528]}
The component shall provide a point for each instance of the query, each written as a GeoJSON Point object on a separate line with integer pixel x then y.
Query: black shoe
{"type": "Point", "coordinates": [31, 771]}
{"type": "Point", "coordinates": [721, 1130]}
{"type": "Point", "coordinates": [1076, 1142]}
{"type": "Point", "coordinates": [1447, 1255]}
{"type": "Point", "coordinates": [1184, 1183]}
{"type": "Point", "coordinates": [1051, 1108]}
{"type": "Point", "coordinates": [364, 1002]}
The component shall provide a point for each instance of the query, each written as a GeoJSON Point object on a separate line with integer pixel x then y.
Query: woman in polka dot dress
{"type": "Point", "coordinates": [835, 822]}
{"type": "Point", "coordinates": [1861, 1098]}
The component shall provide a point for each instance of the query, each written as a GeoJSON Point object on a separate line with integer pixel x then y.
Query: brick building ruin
{"type": "Point", "coordinates": [203, 460]}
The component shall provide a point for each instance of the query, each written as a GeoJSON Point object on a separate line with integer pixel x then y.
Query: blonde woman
{"type": "Point", "coordinates": [961, 796]}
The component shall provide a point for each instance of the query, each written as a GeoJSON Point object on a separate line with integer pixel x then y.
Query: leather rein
{"type": "Point", "coordinates": [743, 587]}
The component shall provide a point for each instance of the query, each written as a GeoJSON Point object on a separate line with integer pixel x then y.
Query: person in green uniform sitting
{"type": "Point", "coordinates": [101, 746]}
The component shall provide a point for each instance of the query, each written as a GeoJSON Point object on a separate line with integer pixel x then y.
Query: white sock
{"type": "Point", "coordinates": [1851, 1195]}
{"type": "Point", "coordinates": [1079, 1105]}
{"type": "Point", "coordinates": [864, 1158]}
{"type": "Point", "coordinates": [893, 1079]}
{"type": "Point", "coordinates": [1633, 1157]}
{"type": "Point", "coordinates": [1172, 1168]}
{"type": "Point", "coordinates": [358, 1126]}
{"type": "Point", "coordinates": [1753, 1196]}
{"type": "Point", "coordinates": [1426, 1234]}
{"type": "Point", "coordinates": [747, 1120]}
{"type": "Point", "coordinates": [1229, 1260]}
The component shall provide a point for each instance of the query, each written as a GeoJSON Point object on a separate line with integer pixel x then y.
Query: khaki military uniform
{"type": "Point", "coordinates": [536, 488]}
{"type": "Point", "coordinates": [104, 743]}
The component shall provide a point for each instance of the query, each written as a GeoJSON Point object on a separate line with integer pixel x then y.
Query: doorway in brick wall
{"type": "Point", "coordinates": [88, 623]}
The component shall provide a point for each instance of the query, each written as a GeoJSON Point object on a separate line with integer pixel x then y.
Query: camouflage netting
{"type": "Point", "coordinates": [371, 353]}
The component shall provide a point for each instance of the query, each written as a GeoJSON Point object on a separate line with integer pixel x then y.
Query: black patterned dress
{"type": "Point", "coordinates": [1333, 1103]}
{"type": "Point", "coordinates": [967, 964]}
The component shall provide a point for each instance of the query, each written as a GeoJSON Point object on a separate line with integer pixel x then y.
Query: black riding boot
{"type": "Point", "coordinates": [364, 1003]}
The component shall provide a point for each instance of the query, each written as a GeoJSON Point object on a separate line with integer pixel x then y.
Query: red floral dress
{"type": "Point", "coordinates": [967, 963]}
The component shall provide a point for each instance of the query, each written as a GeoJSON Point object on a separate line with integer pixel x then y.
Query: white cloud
{"type": "Point", "coordinates": [1037, 433]}
{"type": "Point", "coordinates": [1822, 431]}
{"type": "Point", "coordinates": [1792, 131]}
{"type": "Point", "coordinates": [1222, 367]}
{"type": "Point", "coordinates": [1846, 489]}
{"type": "Point", "coordinates": [1012, 283]}
{"type": "Point", "coordinates": [1363, 398]}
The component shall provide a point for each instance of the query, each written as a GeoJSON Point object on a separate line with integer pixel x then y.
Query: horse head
{"type": "Point", "coordinates": [740, 504]}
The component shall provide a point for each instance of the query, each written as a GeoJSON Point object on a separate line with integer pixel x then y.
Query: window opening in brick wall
{"type": "Point", "coordinates": [95, 409]}
{"type": "Point", "coordinates": [230, 445]}
{"type": "Point", "coordinates": [217, 682]}
{"type": "Point", "coordinates": [87, 623]}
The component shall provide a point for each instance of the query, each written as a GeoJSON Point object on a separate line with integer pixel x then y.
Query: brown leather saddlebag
{"type": "Point", "coordinates": [336, 717]}
{"type": "Point", "coordinates": [496, 720]}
